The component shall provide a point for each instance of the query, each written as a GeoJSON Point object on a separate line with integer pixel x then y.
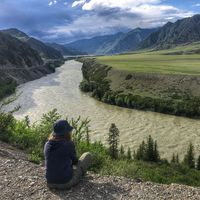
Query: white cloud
{"type": "Point", "coordinates": [197, 5]}
{"type": "Point", "coordinates": [52, 3]}
{"type": "Point", "coordinates": [92, 4]}
{"type": "Point", "coordinates": [78, 3]}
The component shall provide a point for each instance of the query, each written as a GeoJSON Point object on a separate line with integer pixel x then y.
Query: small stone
{"type": "Point", "coordinates": [32, 183]}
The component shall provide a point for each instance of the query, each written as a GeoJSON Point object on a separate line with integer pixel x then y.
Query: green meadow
{"type": "Point", "coordinates": [166, 61]}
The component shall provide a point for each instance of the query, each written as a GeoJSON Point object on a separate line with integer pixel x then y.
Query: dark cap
{"type": "Point", "coordinates": [61, 128]}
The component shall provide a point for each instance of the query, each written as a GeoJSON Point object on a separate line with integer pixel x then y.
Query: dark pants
{"type": "Point", "coordinates": [79, 170]}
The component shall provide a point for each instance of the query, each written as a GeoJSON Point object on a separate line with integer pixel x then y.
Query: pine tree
{"type": "Point", "coordinates": [141, 151]}
{"type": "Point", "coordinates": [189, 159]}
{"type": "Point", "coordinates": [156, 152]}
{"type": "Point", "coordinates": [198, 163]}
{"type": "Point", "coordinates": [177, 158]}
{"type": "Point", "coordinates": [173, 160]}
{"type": "Point", "coordinates": [129, 156]}
{"type": "Point", "coordinates": [122, 152]}
{"type": "Point", "coordinates": [113, 139]}
{"type": "Point", "coordinates": [148, 151]}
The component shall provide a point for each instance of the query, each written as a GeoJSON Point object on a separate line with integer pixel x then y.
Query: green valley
{"type": "Point", "coordinates": [165, 81]}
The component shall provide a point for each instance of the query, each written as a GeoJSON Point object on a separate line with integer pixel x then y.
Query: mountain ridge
{"type": "Point", "coordinates": [65, 51]}
{"type": "Point", "coordinates": [112, 44]}
{"type": "Point", "coordinates": [44, 51]}
{"type": "Point", "coordinates": [19, 62]}
{"type": "Point", "coordinates": [186, 30]}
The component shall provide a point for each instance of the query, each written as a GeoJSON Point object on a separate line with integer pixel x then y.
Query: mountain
{"type": "Point", "coordinates": [19, 62]}
{"type": "Point", "coordinates": [44, 51]}
{"type": "Point", "coordinates": [96, 45]}
{"type": "Point", "coordinates": [183, 31]}
{"type": "Point", "coordinates": [15, 53]}
{"type": "Point", "coordinates": [65, 51]}
{"type": "Point", "coordinates": [130, 40]}
{"type": "Point", "coordinates": [112, 44]}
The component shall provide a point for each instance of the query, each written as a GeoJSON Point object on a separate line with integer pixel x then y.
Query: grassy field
{"type": "Point", "coordinates": [156, 62]}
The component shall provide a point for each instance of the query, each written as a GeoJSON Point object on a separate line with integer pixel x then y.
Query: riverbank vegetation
{"type": "Point", "coordinates": [7, 87]}
{"type": "Point", "coordinates": [170, 94]}
{"type": "Point", "coordinates": [143, 164]}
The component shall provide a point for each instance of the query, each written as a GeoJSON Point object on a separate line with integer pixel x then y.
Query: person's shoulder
{"type": "Point", "coordinates": [47, 143]}
{"type": "Point", "coordinates": [69, 143]}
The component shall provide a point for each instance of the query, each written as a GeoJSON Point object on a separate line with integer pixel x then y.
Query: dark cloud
{"type": "Point", "coordinates": [33, 17]}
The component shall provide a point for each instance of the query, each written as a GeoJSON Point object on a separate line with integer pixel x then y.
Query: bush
{"type": "Point", "coordinates": [7, 87]}
{"type": "Point", "coordinates": [6, 124]}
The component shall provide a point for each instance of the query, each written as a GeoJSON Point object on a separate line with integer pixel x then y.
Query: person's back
{"type": "Point", "coordinates": [60, 156]}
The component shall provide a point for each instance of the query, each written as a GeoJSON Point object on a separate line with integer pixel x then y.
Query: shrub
{"type": "Point", "coordinates": [189, 159]}
{"type": "Point", "coordinates": [113, 139]}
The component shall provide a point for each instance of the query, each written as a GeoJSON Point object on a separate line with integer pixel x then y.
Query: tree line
{"type": "Point", "coordinates": [95, 82]}
{"type": "Point", "coordinates": [148, 151]}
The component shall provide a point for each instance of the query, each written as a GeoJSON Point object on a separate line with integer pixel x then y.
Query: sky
{"type": "Point", "coordinates": [64, 21]}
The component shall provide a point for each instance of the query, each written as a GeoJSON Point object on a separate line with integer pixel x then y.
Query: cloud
{"type": "Point", "coordinates": [78, 3]}
{"type": "Point", "coordinates": [92, 4]}
{"type": "Point", "coordinates": [197, 5]}
{"type": "Point", "coordinates": [67, 20]}
{"type": "Point", "coordinates": [52, 3]}
{"type": "Point", "coordinates": [99, 17]}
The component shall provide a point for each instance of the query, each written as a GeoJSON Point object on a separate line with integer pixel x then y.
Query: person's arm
{"type": "Point", "coordinates": [73, 155]}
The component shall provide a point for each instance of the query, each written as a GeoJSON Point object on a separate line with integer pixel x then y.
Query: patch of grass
{"type": "Point", "coordinates": [159, 173]}
{"type": "Point", "coordinates": [154, 62]}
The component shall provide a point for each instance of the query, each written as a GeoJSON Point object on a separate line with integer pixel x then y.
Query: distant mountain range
{"type": "Point", "coordinates": [15, 53]}
{"type": "Point", "coordinates": [46, 51]}
{"type": "Point", "coordinates": [183, 31]}
{"type": "Point", "coordinates": [19, 62]}
{"type": "Point", "coordinates": [65, 51]}
{"type": "Point", "coordinates": [112, 44]}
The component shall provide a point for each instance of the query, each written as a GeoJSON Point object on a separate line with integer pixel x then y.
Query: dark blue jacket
{"type": "Point", "coordinates": [59, 158]}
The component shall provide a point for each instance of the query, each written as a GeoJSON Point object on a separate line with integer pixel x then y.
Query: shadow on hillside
{"type": "Point", "coordinates": [88, 188]}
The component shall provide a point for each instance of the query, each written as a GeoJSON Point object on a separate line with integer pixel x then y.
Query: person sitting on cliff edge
{"type": "Point", "coordinates": [63, 169]}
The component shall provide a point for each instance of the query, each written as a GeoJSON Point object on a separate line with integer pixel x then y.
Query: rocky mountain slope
{"type": "Point", "coordinates": [112, 44]}
{"type": "Point", "coordinates": [65, 51]}
{"type": "Point", "coordinates": [44, 50]}
{"type": "Point", "coordinates": [96, 45]}
{"type": "Point", "coordinates": [21, 179]}
{"type": "Point", "coordinates": [18, 61]}
{"type": "Point", "coordinates": [183, 31]}
{"type": "Point", "coordinates": [130, 40]}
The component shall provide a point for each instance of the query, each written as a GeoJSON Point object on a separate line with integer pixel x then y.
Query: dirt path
{"type": "Point", "coordinates": [20, 179]}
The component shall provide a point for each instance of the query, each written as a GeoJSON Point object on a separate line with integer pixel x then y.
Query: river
{"type": "Point", "coordinates": [61, 90]}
